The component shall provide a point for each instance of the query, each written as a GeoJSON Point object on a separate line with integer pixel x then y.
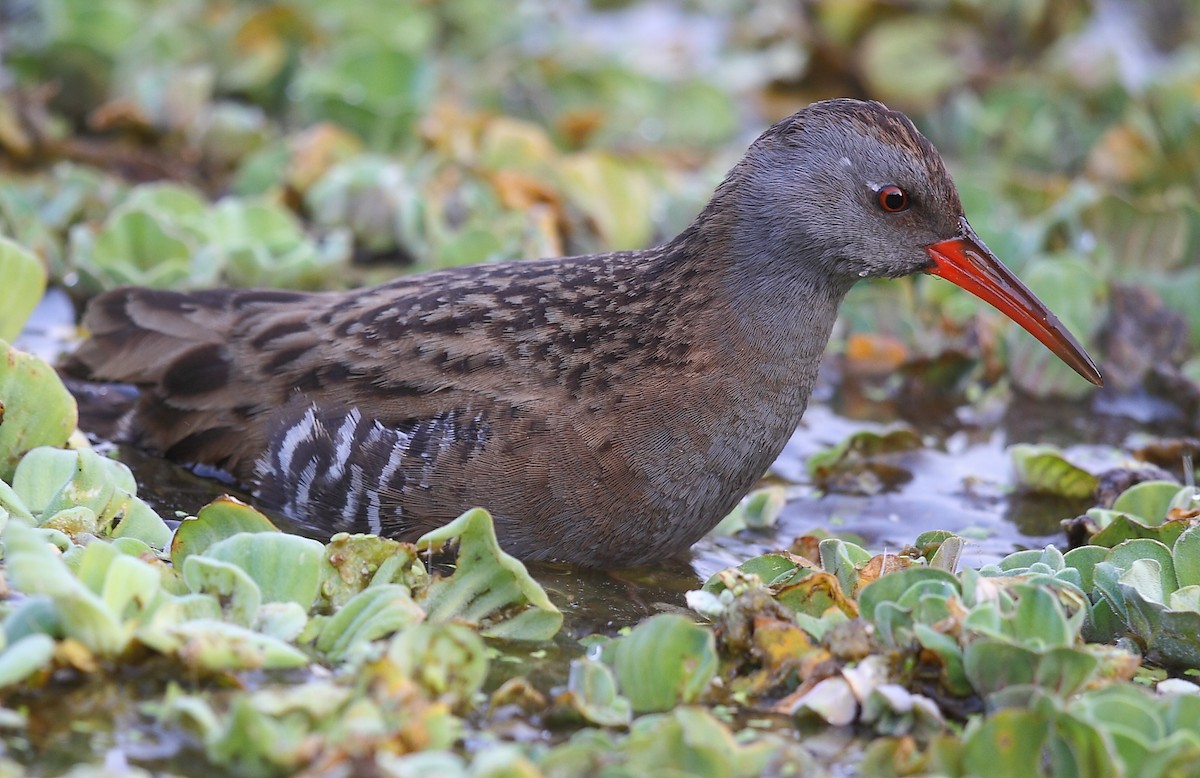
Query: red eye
{"type": "Point", "coordinates": [893, 199]}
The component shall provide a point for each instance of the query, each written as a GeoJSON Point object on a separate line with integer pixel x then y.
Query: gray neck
{"type": "Point", "coordinates": [769, 324]}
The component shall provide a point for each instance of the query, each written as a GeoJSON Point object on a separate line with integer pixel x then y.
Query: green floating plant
{"type": "Point", "coordinates": [1142, 511]}
{"type": "Point", "coordinates": [592, 693]}
{"type": "Point", "coordinates": [239, 596]}
{"type": "Point", "coordinates": [355, 562]}
{"type": "Point", "coordinates": [1147, 584]}
{"type": "Point", "coordinates": [489, 589]}
{"type": "Point", "coordinates": [24, 283]}
{"type": "Point", "coordinates": [376, 198]}
{"type": "Point", "coordinates": [370, 615]}
{"type": "Point", "coordinates": [758, 510]}
{"type": "Point", "coordinates": [448, 661]}
{"type": "Point", "coordinates": [221, 519]}
{"type": "Point", "coordinates": [687, 740]}
{"type": "Point", "coordinates": [285, 567]}
{"type": "Point", "coordinates": [35, 408]}
{"type": "Point", "coordinates": [374, 90]}
{"type": "Point", "coordinates": [666, 660]}
{"type": "Point", "coordinates": [81, 493]}
{"type": "Point", "coordinates": [1154, 592]}
{"type": "Point", "coordinates": [1120, 730]}
{"type": "Point", "coordinates": [26, 655]}
{"type": "Point", "coordinates": [864, 462]}
{"type": "Point", "coordinates": [215, 645]}
{"type": "Point", "coordinates": [100, 607]}
{"type": "Point", "coordinates": [167, 235]}
{"type": "Point", "coordinates": [277, 730]}
{"type": "Point", "coordinates": [107, 599]}
{"type": "Point", "coordinates": [1046, 470]}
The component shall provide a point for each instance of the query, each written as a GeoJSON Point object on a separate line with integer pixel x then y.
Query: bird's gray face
{"type": "Point", "coordinates": [868, 196]}
{"type": "Point", "coordinates": [846, 190]}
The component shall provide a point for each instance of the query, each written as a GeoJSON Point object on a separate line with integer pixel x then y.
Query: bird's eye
{"type": "Point", "coordinates": [893, 199]}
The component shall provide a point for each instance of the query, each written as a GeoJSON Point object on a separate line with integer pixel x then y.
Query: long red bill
{"type": "Point", "coordinates": [966, 262]}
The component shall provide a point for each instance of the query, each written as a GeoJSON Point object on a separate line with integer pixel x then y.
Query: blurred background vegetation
{"type": "Point", "coordinates": [315, 144]}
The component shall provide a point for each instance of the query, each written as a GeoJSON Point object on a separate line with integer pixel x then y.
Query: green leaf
{"type": "Point", "coordinates": [287, 568]}
{"type": "Point", "coordinates": [894, 586]}
{"type": "Point", "coordinates": [666, 660]}
{"type": "Point", "coordinates": [41, 474]}
{"type": "Point", "coordinates": [1039, 620]}
{"type": "Point", "coordinates": [1186, 555]}
{"type": "Point", "coordinates": [1065, 670]}
{"type": "Point", "coordinates": [813, 593]}
{"type": "Point", "coordinates": [1148, 500]}
{"type": "Point", "coordinates": [949, 554]}
{"type": "Point", "coordinates": [237, 592]}
{"type": "Point", "coordinates": [758, 510]}
{"type": "Point", "coordinates": [372, 614]}
{"type": "Point", "coordinates": [1084, 559]}
{"type": "Point", "coordinates": [938, 70]}
{"type": "Point", "coordinates": [992, 665]}
{"type": "Point", "coordinates": [448, 660]}
{"type": "Point", "coordinates": [168, 200]}
{"type": "Point", "coordinates": [222, 518]}
{"type": "Point", "coordinates": [769, 568]}
{"type": "Point", "coordinates": [1007, 744]}
{"type": "Point", "coordinates": [1171, 637]}
{"type": "Point", "coordinates": [843, 560]}
{"type": "Point", "coordinates": [862, 446]}
{"type": "Point", "coordinates": [24, 284]}
{"type": "Point", "coordinates": [951, 653]}
{"type": "Point", "coordinates": [691, 741]}
{"type": "Point", "coordinates": [489, 588]}
{"type": "Point", "coordinates": [206, 644]}
{"type": "Point", "coordinates": [135, 247]}
{"type": "Point", "coordinates": [1186, 598]}
{"type": "Point", "coordinates": [74, 522]}
{"type": "Point", "coordinates": [13, 506]}
{"type": "Point", "coordinates": [35, 408]}
{"type": "Point", "coordinates": [592, 690]}
{"type": "Point", "coordinates": [1045, 470]}
{"type": "Point", "coordinates": [131, 586]}
{"type": "Point", "coordinates": [1128, 553]}
{"type": "Point", "coordinates": [1146, 577]}
{"type": "Point", "coordinates": [93, 484]}
{"type": "Point", "coordinates": [354, 562]}
{"type": "Point", "coordinates": [140, 521]}
{"type": "Point", "coordinates": [24, 657]}
{"type": "Point", "coordinates": [37, 569]}
{"type": "Point", "coordinates": [1116, 528]}
{"type": "Point", "coordinates": [1078, 748]}
{"type": "Point", "coordinates": [615, 194]}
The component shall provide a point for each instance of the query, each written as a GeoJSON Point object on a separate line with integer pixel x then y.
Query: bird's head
{"type": "Point", "coordinates": [853, 190]}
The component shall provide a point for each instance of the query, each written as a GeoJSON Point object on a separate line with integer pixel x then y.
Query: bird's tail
{"type": "Point", "coordinates": [183, 350]}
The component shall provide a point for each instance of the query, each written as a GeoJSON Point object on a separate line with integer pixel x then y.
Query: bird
{"type": "Point", "coordinates": [609, 409]}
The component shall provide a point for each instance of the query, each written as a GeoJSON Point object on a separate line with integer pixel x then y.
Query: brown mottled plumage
{"type": "Point", "coordinates": [607, 409]}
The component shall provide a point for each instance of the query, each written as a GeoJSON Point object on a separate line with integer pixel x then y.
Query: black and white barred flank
{"type": "Point", "coordinates": [336, 470]}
